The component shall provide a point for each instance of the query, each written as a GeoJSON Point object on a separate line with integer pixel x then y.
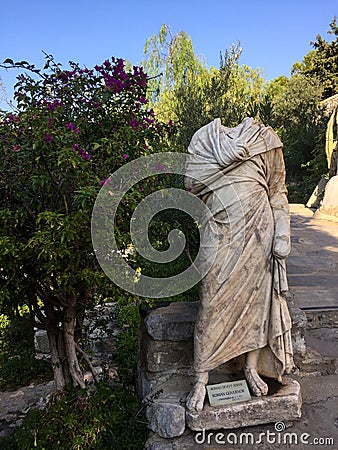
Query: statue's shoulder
{"type": "Point", "coordinates": [206, 130]}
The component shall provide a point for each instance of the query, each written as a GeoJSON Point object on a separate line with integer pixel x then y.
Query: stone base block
{"type": "Point", "coordinates": [329, 207]}
{"type": "Point", "coordinates": [174, 322]}
{"type": "Point", "coordinates": [166, 419]}
{"type": "Point", "coordinates": [284, 404]}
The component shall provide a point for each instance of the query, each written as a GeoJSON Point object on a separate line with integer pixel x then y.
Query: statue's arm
{"type": "Point", "coordinates": [279, 203]}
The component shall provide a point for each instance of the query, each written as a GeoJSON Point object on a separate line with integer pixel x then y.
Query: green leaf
{"type": "Point", "coordinates": [9, 61]}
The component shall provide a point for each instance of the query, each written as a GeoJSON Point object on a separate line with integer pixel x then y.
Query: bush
{"type": "Point", "coordinates": [109, 417]}
{"type": "Point", "coordinates": [71, 130]}
{"type": "Point", "coordinates": [22, 368]}
{"type": "Point", "coordinates": [18, 365]}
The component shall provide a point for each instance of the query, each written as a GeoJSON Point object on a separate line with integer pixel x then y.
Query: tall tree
{"type": "Point", "coordinates": [169, 60]}
{"type": "Point", "coordinates": [71, 130]}
{"type": "Point", "coordinates": [231, 93]}
{"type": "Point", "coordinates": [322, 62]}
{"type": "Point", "coordinates": [298, 117]}
{"type": "Point", "coordinates": [185, 91]}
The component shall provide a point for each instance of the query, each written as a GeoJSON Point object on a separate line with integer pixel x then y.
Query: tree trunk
{"type": "Point", "coordinates": [70, 346]}
{"type": "Point", "coordinates": [57, 363]}
{"type": "Point", "coordinates": [65, 364]}
{"type": "Point", "coordinates": [63, 358]}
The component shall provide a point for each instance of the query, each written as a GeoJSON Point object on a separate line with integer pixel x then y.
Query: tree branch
{"type": "Point", "coordinates": [85, 357]}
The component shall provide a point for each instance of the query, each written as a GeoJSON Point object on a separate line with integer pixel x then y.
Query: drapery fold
{"type": "Point", "coordinates": [239, 173]}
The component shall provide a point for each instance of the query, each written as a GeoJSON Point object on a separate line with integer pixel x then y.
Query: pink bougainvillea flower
{"type": "Point", "coordinates": [125, 156]}
{"type": "Point", "coordinates": [134, 124]}
{"type": "Point", "coordinates": [48, 138]}
{"type": "Point", "coordinates": [72, 127]}
{"type": "Point", "coordinates": [150, 121]}
{"type": "Point", "coordinates": [52, 106]}
{"type": "Point", "coordinates": [142, 100]}
{"type": "Point", "coordinates": [107, 180]}
{"type": "Point", "coordinates": [83, 153]}
{"type": "Point", "coordinates": [16, 148]}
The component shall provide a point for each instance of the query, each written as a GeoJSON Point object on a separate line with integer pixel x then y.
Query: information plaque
{"type": "Point", "coordinates": [230, 392]}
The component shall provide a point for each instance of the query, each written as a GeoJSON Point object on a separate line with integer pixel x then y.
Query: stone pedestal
{"type": "Point", "coordinates": [285, 403]}
{"type": "Point", "coordinates": [166, 377]}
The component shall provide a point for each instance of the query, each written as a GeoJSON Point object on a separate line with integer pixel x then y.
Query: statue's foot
{"type": "Point", "coordinates": [195, 399]}
{"type": "Point", "coordinates": [256, 384]}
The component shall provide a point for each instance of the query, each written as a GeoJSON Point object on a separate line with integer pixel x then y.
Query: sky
{"type": "Point", "coordinates": [273, 34]}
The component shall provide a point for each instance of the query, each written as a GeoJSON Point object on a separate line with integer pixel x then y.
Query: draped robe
{"type": "Point", "coordinates": [239, 174]}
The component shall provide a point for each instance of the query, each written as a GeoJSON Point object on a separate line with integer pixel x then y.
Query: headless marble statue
{"type": "Point", "coordinates": [242, 298]}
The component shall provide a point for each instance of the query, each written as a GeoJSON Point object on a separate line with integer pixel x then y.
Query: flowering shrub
{"type": "Point", "coordinates": [70, 131]}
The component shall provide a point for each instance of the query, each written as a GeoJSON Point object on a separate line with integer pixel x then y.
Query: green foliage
{"type": "Point", "coordinates": [231, 93]}
{"type": "Point", "coordinates": [322, 62]}
{"type": "Point", "coordinates": [107, 417]}
{"type": "Point", "coordinates": [300, 192]}
{"type": "Point", "coordinates": [306, 65]}
{"type": "Point", "coordinates": [18, 365]}
{"type": "Point", "coordinates": [300, 122]}
{"type": "Point", "coordinates": [20, 368]}
{"type": "Point", "coordinates": [71, 130]}
{"type": "Point", "coordinates": [127, 343]}
{"type": "Point", "coordinates": [169, 60]}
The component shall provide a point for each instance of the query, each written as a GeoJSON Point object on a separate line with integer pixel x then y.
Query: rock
{"type": "Point", "coordinates": [318, 193]}
{"type": "Point", "coordinates": [100, 333]}
{"type": "Point", "coordinates": [166, 419]}
{"type": "Point", "coordinates": [15, 405]}
{"type": "Point", "coordinates": [164, 355]}
{"type": "Point", "coordinates": [175, 322]}
{"type": "Point", "coordinates": [166, 377]}
{"type": "Point", "coordinates": [285, 404]}
{"type": "Point", "coordinates": [329, 206]}
{"type": "Point", "coordinates": [313, 363]}
{"type": "Point", "coordinates": [101, 329]}
{"type": "Point", "coordinates": [298, 331]}
{"type": "Point", "coordinates": [41, 344]}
